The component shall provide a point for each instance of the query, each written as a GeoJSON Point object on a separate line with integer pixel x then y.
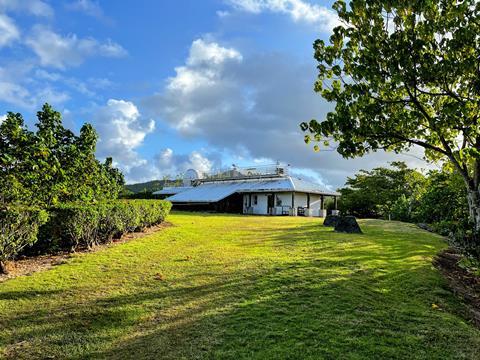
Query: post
{"type": "Point", "coordinates": [322, 212]}
{"type": "Point", "coordinates": [335, 203]}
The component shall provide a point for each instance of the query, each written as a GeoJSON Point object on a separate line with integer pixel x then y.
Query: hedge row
{"type": "Point", "coordinates": [73, 226]}
{"type": "Point", "coordinates": [18, 228]}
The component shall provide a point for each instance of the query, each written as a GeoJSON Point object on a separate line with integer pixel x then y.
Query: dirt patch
{"type": "Point", "coordinates": [462, 282]}
{"type": "Point", "coordinates": [30, 264]}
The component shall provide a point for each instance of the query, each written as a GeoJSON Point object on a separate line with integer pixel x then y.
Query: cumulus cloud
{"type": "Point", "coordinates": [20, 86]}
{"type": "Point", "coordinates": [299, 10]}
{"type": "Point", "coordinates": [251, 107]}
{"type": "Point", "coordinates": [33, 7]}
{"type": "Point", "coordinates": [170, 164]}
{"type": "Point", "coordinates": [121, 130]}
{"type": "Point", "coordinates": [8, 31]}
{"type": "Point", "coordinates": [202, 69]}
{"type": "Point", "coordinates": [63, 51]}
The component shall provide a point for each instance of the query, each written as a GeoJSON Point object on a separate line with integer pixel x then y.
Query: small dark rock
{"type": "Point", "coordinates": [330, 220]}
{"type": "Point", "coordinates": [425, 227]}
{"type": "Point", "coordinates": [347, 224]}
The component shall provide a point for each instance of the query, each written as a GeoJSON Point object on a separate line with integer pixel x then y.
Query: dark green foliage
{"type": "Point", "coordinates": [407, 195]}
{"type": "Point", "coordinates": [140, 195]}
{"type": "Point", "coordinates": [444, 198]}
{"type": "Point", "coordinates": [383, 192]}
{"type": "Point", "coordinates": [76, 225]}
{"type": "Point", "coordinates": [148, 187]}
{"type": "Point", "coordinates": [52, 165]}
{"type": "Point", "coordinates": [18, 229]}
{"type": "Point", "coordinates": [438, 199]}
{"type": "Point", "coordinates": [403, 74]}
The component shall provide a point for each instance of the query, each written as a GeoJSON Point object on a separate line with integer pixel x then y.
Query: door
{"type": "Point", "coordinates": [270, 203]}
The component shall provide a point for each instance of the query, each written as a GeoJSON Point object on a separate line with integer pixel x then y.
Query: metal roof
{"type": "Point", "coordinates": [214, 191]}
{"type": "Point", "coordinates": [172, 190]}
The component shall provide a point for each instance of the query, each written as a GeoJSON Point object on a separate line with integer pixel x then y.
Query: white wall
{"type": "Point", "coordinates": [262, 201]}
{"type": "Point", "coordinates": [300, 200]}
{"type": "Point", "coordinates": [286, 197]}
{"type": "Point", "coordinates": [260, 208]}
{"type": "Point", "coordinates": [315, 202]}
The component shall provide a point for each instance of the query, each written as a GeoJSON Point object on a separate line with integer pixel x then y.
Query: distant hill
{"type": "Point", "coordinates": [149, 186]}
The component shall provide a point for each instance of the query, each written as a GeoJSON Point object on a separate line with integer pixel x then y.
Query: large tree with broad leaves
{"type": "Point", "coordinates": [404, 73]}
{"type": "Point", "coordinates": [52, 165]}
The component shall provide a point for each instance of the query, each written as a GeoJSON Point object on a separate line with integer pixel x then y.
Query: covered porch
{"type": "Point", "coordinates": [288, 203]}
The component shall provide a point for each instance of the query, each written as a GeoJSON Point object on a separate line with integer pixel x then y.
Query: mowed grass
{"type": "Point", "coordinates": [243, 287]}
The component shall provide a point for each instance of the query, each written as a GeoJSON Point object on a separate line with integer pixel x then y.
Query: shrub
{"type": "Point", "coordinates": [18, 229]}
{"type": "Point", "coordinates": [446, 227]}
{"type": "Point", "coordinates": [72, 226]}
{"type": "Point", "coordinates": [467, 242]}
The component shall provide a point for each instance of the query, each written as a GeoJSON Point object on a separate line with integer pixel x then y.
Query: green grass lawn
{"type": "Point", "coordinates": [242, 287]}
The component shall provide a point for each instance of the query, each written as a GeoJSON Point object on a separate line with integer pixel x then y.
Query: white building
{"type": "Point", "coordinates": [259, 191]}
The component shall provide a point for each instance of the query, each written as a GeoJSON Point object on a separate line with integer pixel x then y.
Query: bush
{"type": "Point", "coordinates": [18, 229]}
{"type": "Point", "coordinates": [446, 227]}
{"type": "Point", "coordinates": [74, 226]}
{"type": "Point", "coordinates": [466, 242]}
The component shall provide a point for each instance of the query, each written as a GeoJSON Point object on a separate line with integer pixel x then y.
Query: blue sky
{"type": "Point", "coordinates": [174, 84]}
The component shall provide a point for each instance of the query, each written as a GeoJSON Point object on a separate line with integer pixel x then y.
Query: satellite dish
{"type": "Point", "coordinates": [189, 176]}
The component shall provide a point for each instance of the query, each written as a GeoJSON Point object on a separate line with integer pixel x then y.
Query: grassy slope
{"type": "Point", "coordinates": [242, 287]}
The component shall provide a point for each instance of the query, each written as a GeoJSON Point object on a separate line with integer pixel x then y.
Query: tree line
{"type": "Point", "coordinates": [52, 165]}
{"type": "Point", "coordinates": [56, 195]}
{"type": "Point", "coordinates": [436, 200]}
{"type": "Point", "coordinates": [403, 74]}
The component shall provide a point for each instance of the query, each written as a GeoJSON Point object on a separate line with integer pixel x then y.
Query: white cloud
{"type": "Point", "coordinates": [121, 130]}
{"type": "Point", "coordinates": [202, 53]}
{"type": "Point", "coordinates": [14, 94]}
{"type": "Point", "coordinates": [86, 88]}
{"type": "Point", "coordinates": [299, 10]}
{"type": "Point", "coordinates": [34, 7]}
{"type": "Point", "coordinates": [20, 86]}
{"type": "Point", "coordinates": [252, 109]}
{"type": "Point", "coordinates": [202, 67]}
{"type": "Point", "coordinates": [170, 164]}
{"type": "Point", "coordinates": [89, 7]}
{"type": "Point", "coordinates": [62, 51]}
{"type": "Point", "coordinates": [223, 14]}
{"type": "Point", "coordinates": [3, 118]}
{"type": "Point", "coordinates": [8, 30]}
{"type": "Point", "coordinates": [50, 95]}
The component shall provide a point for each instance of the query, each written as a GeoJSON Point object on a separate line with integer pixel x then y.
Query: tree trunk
{"type": "Point", "coordinates": [474, 208]}
{"type": "Point", "coordinates": [3, 268]}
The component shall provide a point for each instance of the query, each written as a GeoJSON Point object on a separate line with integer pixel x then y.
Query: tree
{"type": "Point", "coordinates": [52, 165]}
{"type": "Point", "coordinates": [444, 199]}
{"type": "Point", "coordinates": [401, 74]}
{"type": "Point", "coordinates": [383, 192]}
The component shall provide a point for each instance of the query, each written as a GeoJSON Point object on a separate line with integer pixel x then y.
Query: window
{"type": "Point", "coordinates": [279, 201]}
{"type": "Point", "coordinates": [255, 199]}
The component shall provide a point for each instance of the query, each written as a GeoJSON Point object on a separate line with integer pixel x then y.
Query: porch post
{"type": "Point", "coordinates": [294, 212]}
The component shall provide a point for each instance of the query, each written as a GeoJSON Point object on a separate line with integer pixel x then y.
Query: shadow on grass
{"type": "Point", "coordinates": [367, 299]}
{"type": "Point", "coordinates": [297, 311]}
{"type": "Point", "coordinates": [26, 294]}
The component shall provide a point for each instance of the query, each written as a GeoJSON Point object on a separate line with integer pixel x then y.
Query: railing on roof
{"type": "Point", "coordinates": [236, 173]}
